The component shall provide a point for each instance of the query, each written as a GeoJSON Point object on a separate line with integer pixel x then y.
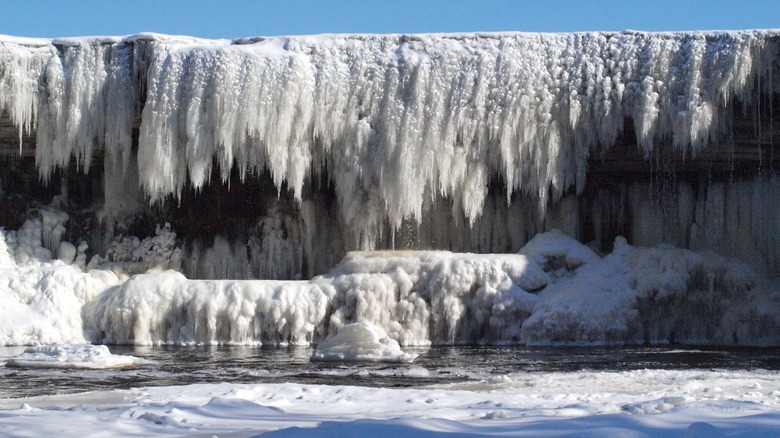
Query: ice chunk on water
{"type": "Point", "coordinates": [361, 342]}
{"type": "Point", "coordinates": [73, 356]}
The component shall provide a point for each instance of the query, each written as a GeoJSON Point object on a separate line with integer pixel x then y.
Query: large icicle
{"type": "Point", "coordinates": [21, 65]}
{"type": "Point", "coordinates": [78, 94]}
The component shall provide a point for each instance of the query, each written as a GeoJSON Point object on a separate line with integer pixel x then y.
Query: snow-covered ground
{"type": "Point", "coordinates": [691, 403]}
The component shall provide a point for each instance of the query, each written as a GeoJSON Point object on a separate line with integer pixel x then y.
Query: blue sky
{"type": "Point", "coordinates": [231, 18]}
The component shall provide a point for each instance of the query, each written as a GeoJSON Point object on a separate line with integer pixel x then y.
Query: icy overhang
{"type": "Point", "coordinates": [393, 120]}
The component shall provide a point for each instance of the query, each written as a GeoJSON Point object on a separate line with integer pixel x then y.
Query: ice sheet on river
{"type": "Point", "coordinates": [642, 403]}
{"type": "Point", "coordinates": [73, 356]}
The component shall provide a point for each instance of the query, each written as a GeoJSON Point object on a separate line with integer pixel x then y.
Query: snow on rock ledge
{"type": "Point", "coordinates": [163, 307]}
{"type": "Point", "coordinates": [416, 297]}
{"type": "Point", "coordinates": [557, 292]}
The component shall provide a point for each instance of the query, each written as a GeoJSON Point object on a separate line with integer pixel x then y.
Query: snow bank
{"type": "Point", "coordinates": [72, 356]}
{"type": "Point", "coordinates": [627, 403]}
{"type": "Point", "coordinates": [361, 342]}
{"type": "Point", "coordinates": [423, 297]}
{"type": "Point", "coordinates": [639, 295]}
{"type": "Point", "coordinates": [415, 297]}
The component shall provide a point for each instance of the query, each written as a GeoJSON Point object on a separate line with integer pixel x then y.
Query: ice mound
{"type": "Point", "coordinates": [73, 356]}
{"type": "Point", "coordinates": [164, 307]}
{"type": "Point", "coordinates": [361, 342]}
{"type": "Point", "coordinates": [41, 298]}
{"type": "Point", "coordinates": [554, 249]}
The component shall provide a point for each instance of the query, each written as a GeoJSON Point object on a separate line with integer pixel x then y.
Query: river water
{"type": "Point", "coordinates": [434, 366]}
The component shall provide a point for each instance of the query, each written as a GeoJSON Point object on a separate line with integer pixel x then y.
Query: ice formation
{"type": "Point", "coordinates": [73, 356]}
{"type": "Point", "coordinates": [405, 128]}
{"type": "Point", "coordinates": [352, 144]}
{"type": "Point", "coordinates": [555, 291]}
{"type": "Point", "coordinates": [41, 298]}
{"type": "Point", "coordinates": [361, 342]}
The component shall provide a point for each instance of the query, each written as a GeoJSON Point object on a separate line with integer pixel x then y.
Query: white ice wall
{"type": "Point", "coordinates": [411, 129]}
{"type": "Point", "coordinates": [556, 291]}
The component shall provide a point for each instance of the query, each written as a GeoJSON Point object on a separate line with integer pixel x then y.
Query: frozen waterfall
{"type": "Point", "coordinates": [395, 123]}
{"type": "Point", "coordinates": [305, 158]}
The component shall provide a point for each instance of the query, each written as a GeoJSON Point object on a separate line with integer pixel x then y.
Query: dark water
{"type": "Point", "coordinates": [436, 365]}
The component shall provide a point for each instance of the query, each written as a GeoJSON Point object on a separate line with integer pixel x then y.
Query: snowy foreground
{"type": "Point", "coordinates": [691, 403]}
